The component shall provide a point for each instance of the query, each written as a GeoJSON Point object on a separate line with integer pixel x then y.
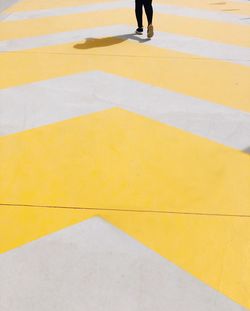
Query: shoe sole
{"type": "Point", "coordinates": [150, 31]}
{"type": "Point", "coordinates": [139, 33]}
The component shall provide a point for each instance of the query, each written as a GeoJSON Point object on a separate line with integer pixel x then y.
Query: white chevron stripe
{"type": "Point", "coordinates": [243, 1]}
{"type": "Point", "coordinates": [202, 14]}
{"type": "Point", "coordinates": [46, 102]}
{"type": "Point", "coordinates": [93, 266]}
{"type": "Point", "coordinates": [69, 10]}
{"type": "Point", "coordinates": [4, 4]}
{"type": "Point", "coordinates": [190, 45]}
{"type": "Point", "coordinates": [160, 8]}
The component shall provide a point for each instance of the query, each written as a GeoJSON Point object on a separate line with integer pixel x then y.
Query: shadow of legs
{"type": "Point", "coordinates": [91, 43]}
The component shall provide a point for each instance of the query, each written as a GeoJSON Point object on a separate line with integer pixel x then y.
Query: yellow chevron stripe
{"type": "Point", "coordinates": [216, 250]}
{"type": "Point", "coordinates": [205, 167]}
{"type": "Point", "coordinates": [124, 157]}
{"type": "Point", "coordinates": [224, 6]}
{"type": "Point", "coordinates": [116, 159]}
{"type": "Point", "coordinates": [220, 82]}
{"type": "Point", "coordinates": [29, 5]}
{"type": "Point", "coordinates": [19, 225]}
{"type": "Point", "coordinates": [211, 30]}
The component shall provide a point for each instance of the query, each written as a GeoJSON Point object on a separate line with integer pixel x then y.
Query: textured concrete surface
{"type": "Point", "coordinates": [63, 98]}
{"type": "Point", "coordinates": [4, 4]}
{"type": "Point", "coordinates": [94, 266]}
{"type": "Point", "coordinates": [152, 136]}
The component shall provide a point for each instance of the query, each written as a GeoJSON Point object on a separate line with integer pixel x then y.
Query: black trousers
{"type": "Point", "coordinates": [147, 4]}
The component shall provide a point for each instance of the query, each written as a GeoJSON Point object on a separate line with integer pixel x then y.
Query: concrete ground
{"type": "Point", "coordinates": [4, 4]}
{"type": "Point", "coordinates": [124, 162]}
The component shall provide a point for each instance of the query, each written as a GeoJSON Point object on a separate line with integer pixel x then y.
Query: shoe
{"type": "Point", "coordinates": [150, 31]}
{"type": "Point", "coordinates": [139, 31]}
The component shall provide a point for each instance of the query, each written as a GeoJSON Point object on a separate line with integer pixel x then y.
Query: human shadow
{"type": "Point", "coordinates": [91, 43]}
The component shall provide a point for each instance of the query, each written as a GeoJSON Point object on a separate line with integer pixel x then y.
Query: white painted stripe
{"type": "Point", "coordinates": [68, 10]}
{"type": "Point", "coordinates": [202, 48]}
{"type": "Point", "coordinates": [46, 102]}
{"type": "Point", "coordinates": [160, 8]}
{"type": "Point", "coordinates": [191, 45]}
{"type": "Point", "coordinates": [4, 4]}
{"type": "Point", "coordinates": [203, 14]}
{"type": "Point", "coordinates": [243, 1]}
{"type": "Point", "coordinates": [93, 266]}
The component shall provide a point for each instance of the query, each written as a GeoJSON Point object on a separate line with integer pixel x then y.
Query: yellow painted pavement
{"type": "Point", "coordinates": [20, 225]}
{"type": "Point", "coordinates": [179, 71]}
{"type": "Point", "coordinates": [226, 6]}
{"type": "Point", "coordinates": [123, 156]}
{"type": "Point", "coordinates": [205, 29]}
{"type": "Point", "coordinates": [216, 250]}
{"type": "Point", "coordinates": [118, 160]}
{"type": "Point", "coordinates": [122, 161]}
{"type": "Point", "coordinates": [31, 5]}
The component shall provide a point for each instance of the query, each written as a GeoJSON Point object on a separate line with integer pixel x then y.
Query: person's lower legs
{"type": "Point", "coordinates": [149, 10]}
{"type": "Point", "coordinates": [138, 12]}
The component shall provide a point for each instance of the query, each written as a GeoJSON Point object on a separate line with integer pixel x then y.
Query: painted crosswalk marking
{"type": "Point", "coordinates": [80, 103]}
{"type": "Point", "coordinates": [160, 8]}
{"type": "Point", "coordinates": [102, 91]}
{"type": "Point", "coordinates": [192, 45]}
